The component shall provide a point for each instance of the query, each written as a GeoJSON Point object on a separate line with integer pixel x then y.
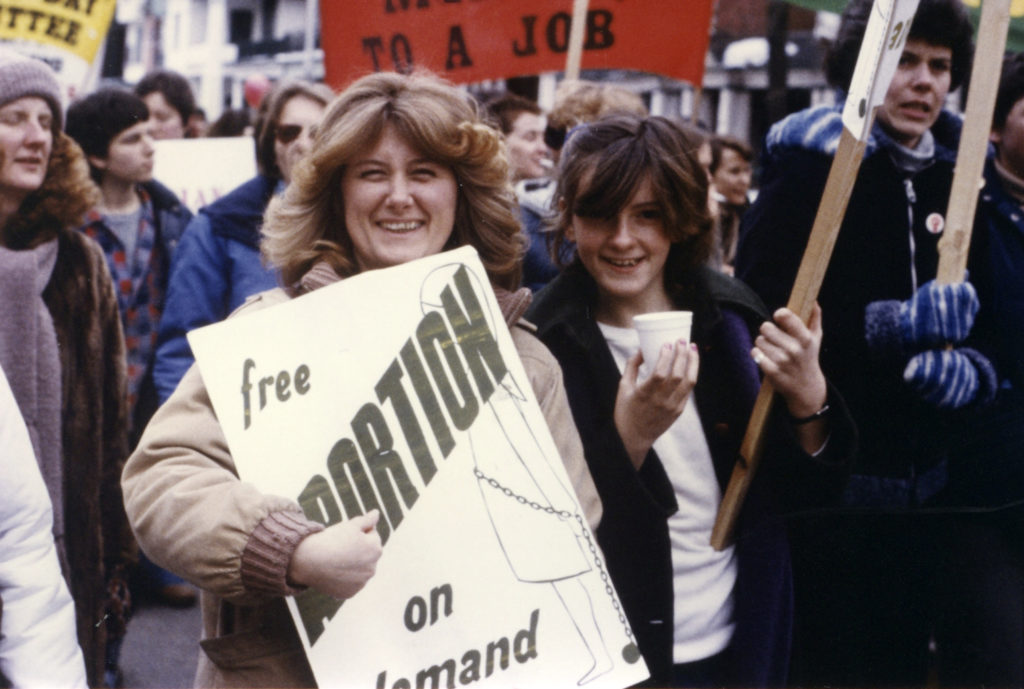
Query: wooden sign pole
{"type": "Point", "coordinates": [970, 158]}
{"type": "Point", "coordinates": [841, 178]}
{"type": "Point", "coordinates": [576, 31]}
{"type": "Point", "coordinates": [698, 92]}
{"type": "Point", "coordinates": [884, 39]}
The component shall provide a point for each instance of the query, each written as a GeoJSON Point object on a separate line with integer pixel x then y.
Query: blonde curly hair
{"type": "Point", "coordinates": [306, 224]}
{"type": "Point", "coordinates": [578, 101]}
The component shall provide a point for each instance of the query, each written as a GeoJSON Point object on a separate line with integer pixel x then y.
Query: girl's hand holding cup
{"type": "Point", "coordinates": [646, 406]}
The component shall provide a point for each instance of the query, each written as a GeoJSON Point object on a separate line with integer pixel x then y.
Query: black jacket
{"type": "Point", "coordinates": [887, 240]}
{"type": "Point", "coordinates": [637, 504]}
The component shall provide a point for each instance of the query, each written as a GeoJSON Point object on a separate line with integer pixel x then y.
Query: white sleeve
{"type": "Point", "coordinates": [38, 641]}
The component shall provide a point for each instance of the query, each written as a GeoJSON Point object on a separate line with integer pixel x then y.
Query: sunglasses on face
{"type": "Point", "coordinates": [287, 133]}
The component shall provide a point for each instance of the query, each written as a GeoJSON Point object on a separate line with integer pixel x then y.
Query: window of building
{"type": "Point", "coordinates": [240, 26]}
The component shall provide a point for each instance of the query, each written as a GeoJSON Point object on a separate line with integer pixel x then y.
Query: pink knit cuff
{"type": "Point", "coordinates": [269, 550]}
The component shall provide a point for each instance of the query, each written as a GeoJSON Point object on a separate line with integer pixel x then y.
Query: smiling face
{"type": "Point", "coordinates": [528, 155]}
{"type": "Point", "coordinates": [130, 155]}
{"type": "Point", "coordinates": [917, 92]}
{"type": "Point", "coordinates": [626, 255]}
{"type": "Point", "coordinates": [399, 206]}
{"type": "Point", "coordinates": [26, 139]}
{"type": "Point", "coordinates": [732, 177]}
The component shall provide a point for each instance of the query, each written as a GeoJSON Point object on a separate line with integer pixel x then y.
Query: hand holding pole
{"type": "Point", "coordinates": [884, 38]}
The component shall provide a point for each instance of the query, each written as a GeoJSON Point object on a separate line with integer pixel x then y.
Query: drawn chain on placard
{"type": "Point", "coordinates": [522, 494]}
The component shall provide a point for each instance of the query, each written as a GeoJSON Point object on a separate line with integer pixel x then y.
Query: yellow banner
{"type": "Point", "coordinates": [77, 27]}
{"type": "Point", "coordinates": [1016, 6]}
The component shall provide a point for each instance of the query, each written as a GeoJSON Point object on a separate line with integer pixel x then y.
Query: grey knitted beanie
{"type": "Point", "coordinates": [25, 76]}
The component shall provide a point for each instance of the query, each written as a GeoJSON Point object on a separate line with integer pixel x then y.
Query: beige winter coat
{"type": "Point", "coordinates": [192, 515]}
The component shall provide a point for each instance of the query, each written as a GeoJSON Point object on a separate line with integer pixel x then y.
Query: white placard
{"type": "Point", "coordinates": [402, 389]}
{"type": "Point", "coordinates": [200, 171]}
{"type": "Point", "coordinates": [880, 52]}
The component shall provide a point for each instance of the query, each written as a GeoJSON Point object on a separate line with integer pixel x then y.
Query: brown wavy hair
{"type": "Point", "coordinates": [307, 223]}
{"type": "Point", "coordinates": [60, 203]}
{"type": "Point", "coordinates": [604, 161]}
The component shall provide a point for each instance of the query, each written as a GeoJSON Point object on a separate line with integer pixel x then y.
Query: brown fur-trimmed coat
{"type": "Point", "coordinates": [94, 418]}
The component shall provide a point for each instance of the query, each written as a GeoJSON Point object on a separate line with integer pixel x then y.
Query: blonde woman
{"type": "Point", "coordinates": [402, 167]}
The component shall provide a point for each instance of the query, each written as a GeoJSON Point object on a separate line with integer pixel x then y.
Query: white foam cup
{"type": "Point", "coordinates": [660, 328]}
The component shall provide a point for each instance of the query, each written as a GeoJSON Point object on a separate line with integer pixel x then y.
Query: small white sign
{"type": "Point", "coordinates": [880, 53]}
{"type": "Point", "coordinates": [401, 389]}
{"type": "Point", "coordinates": [200, 171]}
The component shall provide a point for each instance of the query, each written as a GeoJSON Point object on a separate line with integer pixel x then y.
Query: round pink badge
{"type": "Point", "coordinates": [935, 223]}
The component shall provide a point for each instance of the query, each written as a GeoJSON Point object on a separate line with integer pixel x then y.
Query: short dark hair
{"type": "Point", "coordinates": [718, 143]}
{"type": "Point", "coordinates": [939, 22]}
{"type": "Point", "coordinates": [1011, 89]}
{"type": "Point", "coordinates": [96, 120]}
{"type": "Point", "coordinates": [603, 162]}
{"type": "Point", "coordinates": [506, 109]}
{"type": "Point", "coordinates": [230, 123]}
{"type": "Point", "coordinates": [175, 89]}
{"type": "Point", "coordinates": [270, 113]}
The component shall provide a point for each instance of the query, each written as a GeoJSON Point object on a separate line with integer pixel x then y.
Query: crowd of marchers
{"type": "Point", "coordinates": [879, 543]}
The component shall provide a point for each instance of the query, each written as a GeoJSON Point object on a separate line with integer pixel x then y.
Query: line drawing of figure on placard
{"type": "Point", "coordinates": [526, 500]}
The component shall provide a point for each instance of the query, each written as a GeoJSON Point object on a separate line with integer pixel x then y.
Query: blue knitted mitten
{"type": "Point", "coordinates": [951, 379]}
{"type": "Point", "coordinates": [934, 316]}
{"type": "Point", "coordinates": [938, 314]}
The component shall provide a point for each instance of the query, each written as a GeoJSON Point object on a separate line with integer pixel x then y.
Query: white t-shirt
{"type": "Point", "coordinates": [703, 578]}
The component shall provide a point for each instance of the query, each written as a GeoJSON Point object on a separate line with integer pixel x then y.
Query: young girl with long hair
{"type": "Point", "coordinates": [632, 198]}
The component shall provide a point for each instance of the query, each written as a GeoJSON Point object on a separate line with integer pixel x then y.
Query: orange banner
{"type": "Point", "coordinates": [473, 40]}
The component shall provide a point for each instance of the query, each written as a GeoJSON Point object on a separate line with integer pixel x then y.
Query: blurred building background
{"type": "Point", "coordinates": [216, 44]}
{"type": "Point", "coordinates": [764, 59]}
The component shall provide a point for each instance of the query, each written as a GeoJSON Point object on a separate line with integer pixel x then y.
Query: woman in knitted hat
{"type": "Point", "coordinates": [61, 347]}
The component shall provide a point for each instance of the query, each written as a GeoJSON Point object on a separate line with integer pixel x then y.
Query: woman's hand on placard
{"type": "Point", "coordinates": [645, 409]}
{"type": "Point", "coordinates": [340, 559]}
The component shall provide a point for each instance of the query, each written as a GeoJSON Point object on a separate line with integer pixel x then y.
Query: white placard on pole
{"type": "Point", "coordinates": [401, 390]}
